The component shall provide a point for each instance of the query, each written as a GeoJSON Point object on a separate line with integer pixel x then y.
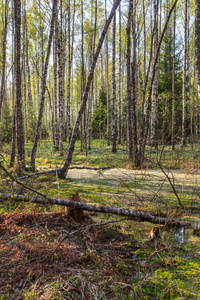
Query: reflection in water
{"type": "Point", "coordinates": [182, 235]}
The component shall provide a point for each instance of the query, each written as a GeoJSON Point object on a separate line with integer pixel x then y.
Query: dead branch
{"type": "Point", "coordinates": [84, 229]}
{"type": "Point", "coordinates": [172, 185]}
{"type": "Point", "coordinates": [135, 215]}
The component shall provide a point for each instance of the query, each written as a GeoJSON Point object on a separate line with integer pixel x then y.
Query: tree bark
{"type": "Point", "coordinates": [197, 48]}
{"type": "Point", "coordinates": [129, 107]}
{"type": "Point", "coordinates": [13, 150]}
{"type": "Point", "coordinates": [61, 81]}
{"type": "Point", "coordinates": [18, 95]}
{"type": "Point", "coordinates": [3, 71]}
{"type": "Point", "coordinates": [107, 83]}
{"type": "Point", "coordinates": [173, 83]}
{"type": "Point", "coordinates": [55, 100]}
{"type": "Point", "coordinates": [184, 96]}
{"type": "Point", "coordinates": [119, 120]}
{"type": "Point", "coordinates": [155, 83]}
{"type": "Point", "coordinates": [30, 98]}
{"type": "Point", "coordinates": [114, 149]}
{"type": "Point", "coordinates": [134, 88]}
{"type": "Point", "coordinates": [68, 160]}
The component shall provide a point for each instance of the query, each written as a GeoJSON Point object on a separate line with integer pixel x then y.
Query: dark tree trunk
{"type": "Point", "coordinates": [13, 150]}
{"type": "Point", "coordinates": [18, 96]}
{"type": "Point", "coordinates": [61, 82]}
{"type": "Point", "coordinates": [129, 106]}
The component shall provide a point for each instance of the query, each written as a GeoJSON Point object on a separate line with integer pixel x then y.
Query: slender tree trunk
{"type": "Point", "coordinates": [155, 83]}
{"type": "Point", "coordinates": [24, 67]}
{"type": "Point", "coordinates": [119, 121]}
{"type": "Point", "coordinates": [134, 88]}
{"type": "Point", "coordinates": [30, 99]}
{"type": "Point", "coordinates": [82, 78]}
{"type": "Point", "coordinates": [197, 48]}
{"type": "Point", "coordinates": [13, 150]}
{"type": "Point", "coordinates": [1, 125]}
{"type": "Point", "coordinates": [3, 71]}
{"type": "Point", "coordinates": [107, 83]}
{"type": "Point", "coordinates": [122, 104]}
{"type": "Point", "coordinates": [129, 106]}
{"type": "Point", "coordinates": [90, 101]}
{"type": "Point", "coordinates": [44, 78]}
{"type": "Point", "coordinates": [184, 96]}
{"type": "Point", "coordinates": [68, 160]}
{"type": "Point", "coordinates": [55, 100]}
{"type": "Point", "coordinates": [61, 82]}
{"type": "Point", "coordinates": [114, 149]}
{"type": "Point", "coordinates": [70, 59]}
{"type": "Point", "coordinates": [173, 83]}
{"type": "Point", "coordinates": [18, 96]}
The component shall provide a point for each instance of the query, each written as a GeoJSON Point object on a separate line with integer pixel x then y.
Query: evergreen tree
{"type": "Point", "coordinates": [99, 117]}
{"type": "Point", "coordinates": [165, 88]}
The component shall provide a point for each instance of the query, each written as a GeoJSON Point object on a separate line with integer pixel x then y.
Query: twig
{"type": "Point", "coordinates": [172, 185]}
{"type": "Point", "coordinates": [86, 228]}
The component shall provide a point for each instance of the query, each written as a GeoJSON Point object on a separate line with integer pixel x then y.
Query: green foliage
{"type": "Point", "coordinates": [99, 118]}
{"type": "Point", "coordinates": [165, 87]}
{"type": "Point", "coordinates": [7, 124]}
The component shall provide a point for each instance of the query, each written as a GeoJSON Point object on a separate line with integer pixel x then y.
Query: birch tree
{"type": "Point", "coordinates": [184, 96]}
{"type": "Point", "coordinates": [114, 149]}
{"type": "Point", "coordinates": [155, 83]}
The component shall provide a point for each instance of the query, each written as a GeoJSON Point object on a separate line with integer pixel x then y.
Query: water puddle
{"type": "Point", "coordinates": [185, 235]}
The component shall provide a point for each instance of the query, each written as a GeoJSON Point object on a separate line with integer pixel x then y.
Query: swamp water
{"type": "Point", "coordinates": [146, 185]}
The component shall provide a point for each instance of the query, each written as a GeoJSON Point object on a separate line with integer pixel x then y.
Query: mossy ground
{"type": "Point", "coordinates": [109, 262]}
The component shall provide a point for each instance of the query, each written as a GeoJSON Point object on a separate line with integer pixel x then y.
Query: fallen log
{"type": "Point", "coordinates": [133, 214]}
{"type": "Point", "coordinates": [54, 171]}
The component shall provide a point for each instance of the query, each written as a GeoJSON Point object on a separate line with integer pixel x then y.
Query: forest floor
{"type": "Point", "coordinates": [45, 254]}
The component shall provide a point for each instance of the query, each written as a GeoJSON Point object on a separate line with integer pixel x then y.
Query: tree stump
{"type": "Point", "coordinates": [75, 213]}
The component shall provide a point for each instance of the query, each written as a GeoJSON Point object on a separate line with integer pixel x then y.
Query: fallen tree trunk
{"type": "Point", "coordinates": [133, 214]}
{"type": "Point", "coordinates": [53, 172]}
